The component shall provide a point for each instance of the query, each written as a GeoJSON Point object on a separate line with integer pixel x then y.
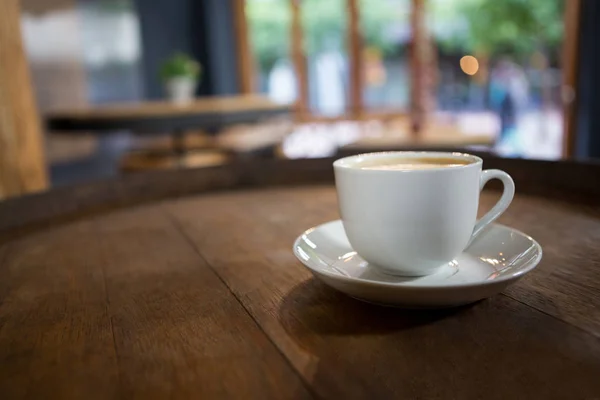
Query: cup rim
{"type": "Point", "coordinates": [346, 163]}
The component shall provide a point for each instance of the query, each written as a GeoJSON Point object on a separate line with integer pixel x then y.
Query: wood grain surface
{"type": "Point", "coordinates": [200, 296]}
{"type": "Point", "coordinates": [147, 319]}
{"type": "Point", "coordinates": [566, 180]}
{"type": "Point", "coordinates": [511, 344]}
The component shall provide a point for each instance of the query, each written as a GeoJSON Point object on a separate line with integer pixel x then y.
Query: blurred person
{"type": "Point", "coordinates": [509, 95]}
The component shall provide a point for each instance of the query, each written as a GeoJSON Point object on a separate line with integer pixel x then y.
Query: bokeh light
{"type": "Point", "coordinates": [469, 65]}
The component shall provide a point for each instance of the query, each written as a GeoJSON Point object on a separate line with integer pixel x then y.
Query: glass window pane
{"type": "Point", "coordinates": [385, 25]}
{"type": "Point", "coordinates": [111, 50]}
{"type": "Point", "coordinates": [499, 67]}
{"type": "Point", "coordinates": [325, 26]}
{"type": "Point", "coordinates": [269, 24]}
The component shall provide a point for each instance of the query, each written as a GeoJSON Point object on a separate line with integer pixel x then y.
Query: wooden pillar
{"type": "Point", "coordinates": [422, 64]}
{"type": "Point", "coordinates": [570, 66]}
{"type": "Point", "coordinates": [356, 64]}
{"type": "Point", "coordinates": [244, 54]}
{"type": "Point", "coordinates": [22, 166]}
{"type": "Point", "coordinates": [299, 59]}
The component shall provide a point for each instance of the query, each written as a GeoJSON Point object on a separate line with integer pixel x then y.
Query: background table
{"type": "Point", "coordinates": [210, 113]}
{"type": "Point", "coordinates": [182, 284]}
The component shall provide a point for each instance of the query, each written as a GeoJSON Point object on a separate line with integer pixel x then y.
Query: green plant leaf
{"type": "Point", "coordinates": [180, 65]}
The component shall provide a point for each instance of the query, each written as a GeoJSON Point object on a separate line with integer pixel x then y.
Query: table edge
{"type": "Point", "coordinates": [561, 180]}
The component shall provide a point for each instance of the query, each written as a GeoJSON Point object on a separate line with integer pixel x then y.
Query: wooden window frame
{"type": "Point", "coordinates": [417, 111]}
{"type": "Point", "coordinates": [355, 46]}
{"type": "Point", "coordinates": [299, 60]}
{"type": "Point", "coordinates": [245, 59]}
{"type": "Point", "coordinates": [356, 109]}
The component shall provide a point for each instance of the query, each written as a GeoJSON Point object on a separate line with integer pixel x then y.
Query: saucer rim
{"type": "Point", "coordinates": [530, 265]}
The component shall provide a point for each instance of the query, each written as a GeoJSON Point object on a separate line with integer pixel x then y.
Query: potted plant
{"type": "Point", "coordinates": [180, 74]}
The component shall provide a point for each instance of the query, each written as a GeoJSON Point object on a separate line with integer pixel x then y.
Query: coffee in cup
{"type": "Point", "coordinates": [407, 164]}
{"type": "Point", "coordinates": [408, 213]}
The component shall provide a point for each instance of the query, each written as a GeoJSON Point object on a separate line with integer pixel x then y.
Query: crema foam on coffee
{"type": "Point", "coordinates": [404, 164]}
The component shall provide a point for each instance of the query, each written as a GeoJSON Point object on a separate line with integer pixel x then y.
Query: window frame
{"type": "Point", "coordinates": [418, 107]}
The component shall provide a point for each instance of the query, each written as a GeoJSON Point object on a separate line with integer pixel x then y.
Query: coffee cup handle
{"type": "Point", "coordinates": [501, 205]}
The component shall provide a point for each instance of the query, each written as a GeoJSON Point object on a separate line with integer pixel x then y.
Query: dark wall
{"type": "Point", "coordinates": [202, 28]}
{"type": "Point", "coordinates": [221, 59]}
{"type": "Point", "coordinates": [588, 85]}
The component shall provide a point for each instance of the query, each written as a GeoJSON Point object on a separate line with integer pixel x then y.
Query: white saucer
{"type": "Point", "coordinates": [497, 258]}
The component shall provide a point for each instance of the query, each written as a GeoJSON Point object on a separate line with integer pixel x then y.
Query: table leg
{"type": "Point", "coordinates": [179, 146]}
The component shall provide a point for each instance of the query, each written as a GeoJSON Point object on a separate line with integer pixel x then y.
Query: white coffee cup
{"type": "Point", "coordinates": [412, 221]}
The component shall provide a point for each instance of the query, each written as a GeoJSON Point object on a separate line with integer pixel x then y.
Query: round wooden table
{"type": "Point", "coordinates": [182, 284]}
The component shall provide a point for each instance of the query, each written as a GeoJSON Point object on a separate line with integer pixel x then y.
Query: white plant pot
{"type": "Point", "coordinates": [181, 90]}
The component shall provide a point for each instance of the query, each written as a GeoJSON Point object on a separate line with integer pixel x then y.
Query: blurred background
{"type": "Point", "coordinates": [121, 86]}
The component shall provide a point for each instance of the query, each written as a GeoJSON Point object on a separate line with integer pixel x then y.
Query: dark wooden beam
{"type": "Point", "coordinates": [570, 69]}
